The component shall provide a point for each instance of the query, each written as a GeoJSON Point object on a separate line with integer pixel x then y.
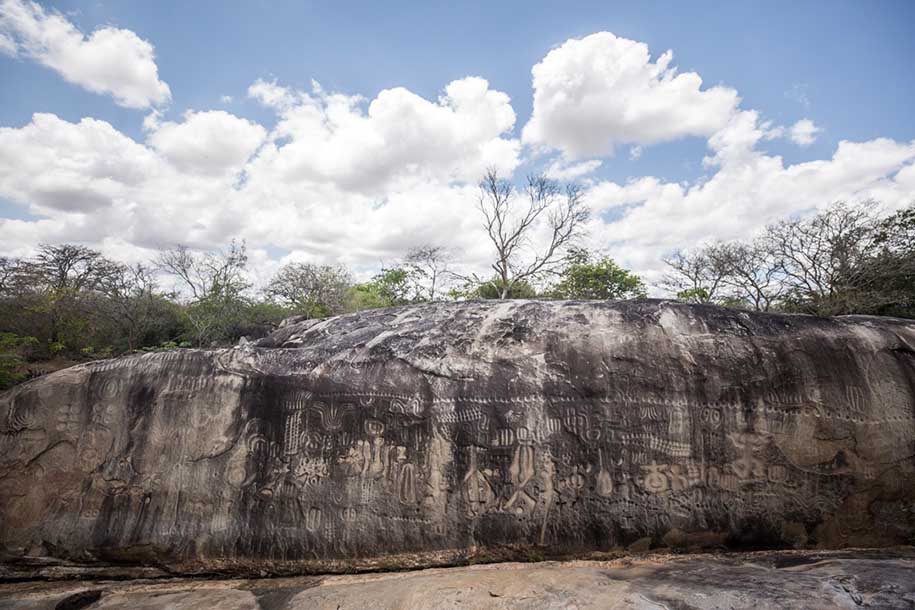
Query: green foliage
{"type": "Point", "coordinates": [535, 556]}
{"type": "Point", "coordinates": [586, 276]}
{"type": "Point", "coordinates": [886, 283]}
{"type": "Point", "coordinates": [260, 318]}
{"type": "Point", "coordinates": [693, 295]}
{"type": "Point", "coordinates": [314, 291]}
{"type": "Point", "coordinates": [13, 351]}
{"type": "Point", "coordinates": [493, 290]}
{"type": "Point", "coordinates": [389, 288]}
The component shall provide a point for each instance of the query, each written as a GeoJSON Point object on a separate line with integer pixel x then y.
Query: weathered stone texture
{"type": "Point", "coordinates": [768, 580]}
{"type": "Point", "coordinates": [423, 435]}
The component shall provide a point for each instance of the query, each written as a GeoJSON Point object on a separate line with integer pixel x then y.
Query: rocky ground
{"type": "Point", "coordinates": [857, 579]}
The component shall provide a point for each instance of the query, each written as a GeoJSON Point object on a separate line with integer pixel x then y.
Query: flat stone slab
{"type": "Point", "coordinates": [876, 580]}
{"type": "Point", "coordinates": [439, 434]}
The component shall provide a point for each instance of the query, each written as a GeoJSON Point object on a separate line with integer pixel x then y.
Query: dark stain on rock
{"type": "Point", "coordinates": [78, 601]}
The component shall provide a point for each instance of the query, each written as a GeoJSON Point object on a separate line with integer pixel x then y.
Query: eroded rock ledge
{"type": "Point", "coordinates": [432, 434]}
{"type": "Point", "coordinates": [812, 580]}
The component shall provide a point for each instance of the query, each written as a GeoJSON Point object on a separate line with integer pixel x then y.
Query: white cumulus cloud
{"type": "Point", "coordinates": [364, 145]}
{"type": "Point", "coordinates": [560, 169]}
{"type": "Point", "coordinates": [804, 132]}
{"type": "Point", "coordinates": [593, 93]}
{"type": "Point", "coordinates": [207, 143]}
{"type": "Point", "coordinates": [647, 218]}
{"type": "Point", "coordinates": [109, 61]}
{"type": "Point", "coordinates": [339, 179]}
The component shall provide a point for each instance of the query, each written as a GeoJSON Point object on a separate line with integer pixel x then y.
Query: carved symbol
{"type": "Point", "coordinates": [354, 460]}
{"type": "Point", "coordinates": [412, 407]}
{"type": "Point", "coordinates": [520, 473]}
{"type": "Point", "coordinates": [331, 416]}
{"type": "Point", "coordinates": [478, 493]}
{"type": "Point", "coordinates": [655, 481]}
{"type": "Point", "coordinates": [728, 482]}
{"type": "Point", "coordinates": [292, 432]}
{"type": "Point", "coordinates": [678, 480]}
{"type": "Point", "coordinates": [547, 473]}
{"type": "Point", "coordinates": [710, 417]}
{"type": "Point", "coordinates": [575, 481]}
{"type": "Point", "coordinates": [604, 480]}
{"type": "Point", "coordinates": [574, 422]}
{"type": "Point", "coordinates": [374, 427]}
{"type": "Point", "coordinates": [310, 471]}
{"type": "Point", "coordinates": [407, 486]}
{"type": "Point", "coordinates": [313, 442]}
{"type": "Point", "coordinates": [313, 519]}
{"type": "Point", "coordinates": [349, 515]}
{"type": "Point", "coordinates": [377, 457]}
{"type": "Point", "coordinates": [777, 473]}
{"type": "Point", "coordinates": [748, 465]}
{"type": "Point", "coordinates": [856, 399]}
{"type": "Point", "coordinates": [108, 389]}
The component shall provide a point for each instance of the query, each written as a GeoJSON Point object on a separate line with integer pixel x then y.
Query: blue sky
{"type": "Point", "coordinates": [843, 66]}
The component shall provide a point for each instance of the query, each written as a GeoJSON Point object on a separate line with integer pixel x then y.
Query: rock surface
{"type": "Point", "coordinates": [426, 435]}
{"type": "Point", "coordinates": [749, 581]}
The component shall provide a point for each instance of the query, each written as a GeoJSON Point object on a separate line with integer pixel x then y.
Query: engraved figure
{"type": "Point", "coordinates": [748, 465]}
{"type": "Point", "coordinates": [604, 480]}
{"type": "Point", "coordinates": [678, 477]}
{"type": "Point", "coordinates": [520, 474]}
{"type": "Point", "coordinates": [407, 486]}
{"type": "Point", "coordinates": [354, 460]}
{"type": "Point", "coordinates": [478, 492]}
{"type": "Point", "coordinates": [547, 473]}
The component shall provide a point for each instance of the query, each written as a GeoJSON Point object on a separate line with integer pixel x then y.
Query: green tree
{"type": "Point", "coordinates": [389, 288]}
{"type": "Point", "coordinates": [315, 291]}
{"type": "Point", "coordinates": [214, 284]}
{"type": "Point", "coordinates": [587, 276]}
{"type": "Point", "coordinates": [494, 289]}
{"type": "Point", "coordinates": [885, 282]}
{"type": "Point", "coordinates": [13, 350]}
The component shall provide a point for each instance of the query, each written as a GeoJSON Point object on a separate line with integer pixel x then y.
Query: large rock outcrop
{"type": "Point", "coordinates": [429, 434]}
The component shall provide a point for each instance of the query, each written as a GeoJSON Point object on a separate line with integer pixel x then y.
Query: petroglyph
{"type": "Point", "coordinates": [561, 441]}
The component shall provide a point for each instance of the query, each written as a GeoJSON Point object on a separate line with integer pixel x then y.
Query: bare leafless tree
{"type": "Point", "coordinates": [696, 275]}
{"type": "Point", "coordinates": [822, 255]}
{"type": "Point", "coordinates": [207, 274]}
{"type": "Point", "coordinates": [10, 275]}
{"type": "Point", "coordinates": [429, 267]}
{"type": "Point", "coordinates": [130, 301]}
{"type": "Point", "coordinates": [216, 283]}
{"type": "Point", "coordinates": [510, 226]}
{"type": "Point", "coordinates": [753, 273]}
